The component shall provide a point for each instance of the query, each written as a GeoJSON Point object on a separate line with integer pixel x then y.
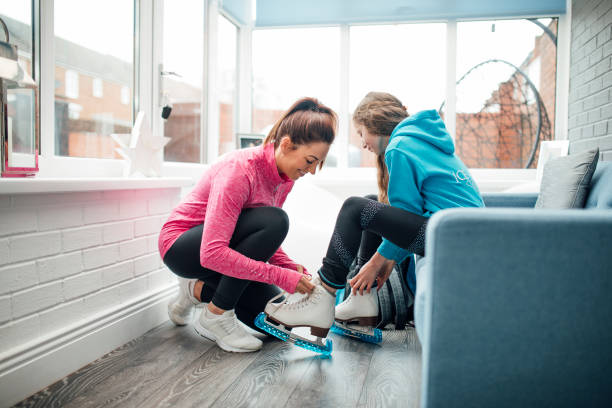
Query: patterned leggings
{"type": "Point", "coordinates": [359, 227]}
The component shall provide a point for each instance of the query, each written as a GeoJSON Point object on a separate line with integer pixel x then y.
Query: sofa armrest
{"type": "Point", "coordinates": [517, 308]}
{"type": "Point", "coordinates": [527, 200]}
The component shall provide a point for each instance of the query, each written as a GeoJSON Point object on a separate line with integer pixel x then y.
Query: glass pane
{"type": "Point", "coordinates": [183, 24]}
{"type": "Point", "coordinates": [20, 124]}
{"type": "Point", "coordinates": [395, 59]}
{"type": "Point", "coordinates": [17, 14]}
{"type": "Point", "coordinates": [506, 81]}
{"type": "Point", "coordinates": [292, 63]}
{"type": "Point", "coordinates": [94, 42]}
{"type": "Point", "coordinates": [226, 82]}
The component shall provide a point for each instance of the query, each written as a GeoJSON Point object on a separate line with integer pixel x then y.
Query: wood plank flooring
{"type": "Point", "coordinates": [174, 367]}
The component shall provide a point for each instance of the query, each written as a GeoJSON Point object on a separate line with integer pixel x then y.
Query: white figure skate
{"type": "Point", "coordinates": [357, 317]}
{"type": "Point", "coordinates": [315, 311]}
{"type": "Point", "coordinates": [181, 309]}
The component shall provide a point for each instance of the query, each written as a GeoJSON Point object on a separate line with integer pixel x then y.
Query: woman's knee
{"type": "Point", "coordinates": [274, 219]}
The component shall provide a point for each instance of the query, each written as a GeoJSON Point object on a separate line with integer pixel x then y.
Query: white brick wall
{"type": "Point", "coordinates": [60, 266]}
{"type": "Point", "coordinates": [66, 257]}
{"type": "Point", "coordinates": [18, 276]}
{"type": "Point", "coordinates": [54, 218]}
{"type": "Point", "coordinates": [17, 220]}
{"type": "Point", "coordinates": [79, 238]}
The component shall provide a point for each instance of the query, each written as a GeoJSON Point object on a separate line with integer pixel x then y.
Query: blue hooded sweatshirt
{"type": "Point", "coordinates": [425, 175]}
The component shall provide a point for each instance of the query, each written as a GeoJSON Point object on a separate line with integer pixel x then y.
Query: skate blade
{"type": "Point", "coordinates": [281, 333]}
{"type": "Point", "coordinates": [369, 335]}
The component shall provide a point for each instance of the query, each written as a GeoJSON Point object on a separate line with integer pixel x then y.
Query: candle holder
{"type": "Point", "coordinates": [19, 118]}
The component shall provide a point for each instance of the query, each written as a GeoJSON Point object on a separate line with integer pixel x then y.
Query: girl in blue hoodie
{"type": "Point", "coordinates": [418, 174]}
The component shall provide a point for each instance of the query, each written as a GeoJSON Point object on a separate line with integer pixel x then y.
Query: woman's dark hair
{"type": "Point", "coordinates": [306, 121]}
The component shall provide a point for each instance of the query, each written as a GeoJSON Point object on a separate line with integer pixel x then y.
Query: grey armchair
{"type": "Point", "coordinates": [514, 305]}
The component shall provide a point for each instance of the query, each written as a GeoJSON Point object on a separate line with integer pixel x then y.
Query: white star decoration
{"type": "Point", "coordinates": [141, 149]}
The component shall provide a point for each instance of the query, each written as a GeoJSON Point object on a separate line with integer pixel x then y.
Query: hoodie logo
{"type": "Point", "coordinates": [463, 178]}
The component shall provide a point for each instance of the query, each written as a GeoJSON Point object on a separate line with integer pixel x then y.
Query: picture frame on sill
{"type": "Point", "coordinates": [246, 140]}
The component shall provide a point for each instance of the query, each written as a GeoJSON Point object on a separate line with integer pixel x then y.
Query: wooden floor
{"type": "Point", "coordinates": [174, 367]}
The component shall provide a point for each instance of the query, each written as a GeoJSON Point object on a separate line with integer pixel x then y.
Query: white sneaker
{"type": "Point", "coordinates": [180, 310]}
{"type": "Point", "coordinates": [315, 311]}
{"type": "Point", "coordinates": [362, 309]}
{"type": "Point", "coordinates": [227, 331]}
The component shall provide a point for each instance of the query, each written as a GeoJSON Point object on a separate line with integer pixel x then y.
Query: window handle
{"type": "Point", "coordinates": [170, 73]}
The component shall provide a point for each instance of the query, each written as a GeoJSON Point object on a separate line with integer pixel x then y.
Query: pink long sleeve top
{"type": "Point", "coordinates": [243, 179]}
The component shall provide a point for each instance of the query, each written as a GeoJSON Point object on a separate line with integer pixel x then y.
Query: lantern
{"type": "Point", "coordinates": [18, 114]}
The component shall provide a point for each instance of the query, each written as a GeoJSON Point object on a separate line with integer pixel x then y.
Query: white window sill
{"type": "Point", "coordinates": [71, 167]}
{"type": "Point", "coordinates": [62, 185]}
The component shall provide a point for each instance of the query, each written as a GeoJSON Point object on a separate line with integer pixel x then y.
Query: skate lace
{"type": "Point", "coordinates": [312, 298]}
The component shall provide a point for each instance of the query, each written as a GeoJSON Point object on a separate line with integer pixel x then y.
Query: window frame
{"type": "Point", "coordinates": [562, 83]}
{"type": "Point", "coordinates": [146, 88]}
{"type": "Point", "coordinates": [50, 164]}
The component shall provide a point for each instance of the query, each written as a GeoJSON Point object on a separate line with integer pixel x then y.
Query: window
{"type": "Point", "coordinates": [125, 95]}
{"type": "Point", "coordinates": [183, 23]}
{"type": "Point", "coordinates": [506, 82]}
{"type": "Point", "coordinates": [292, 63]}
{"type": "Point", "coordinates": [87, 50]}
{"type": "Point", "coordinates": [395, 59]}
{"type": "Point", "coordinates": [72, 84]}
{"type": "Point", "coordinates": [74, 110]}
{"type": "Point", "coordinates": [227, 36]}
{"type": "Point", "coordinates": [18, 18]}
{"type": "Point", "coordinates": [97, 88]}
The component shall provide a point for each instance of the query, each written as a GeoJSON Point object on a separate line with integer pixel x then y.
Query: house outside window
{"type": "Point", "coordinates": [86, 49]}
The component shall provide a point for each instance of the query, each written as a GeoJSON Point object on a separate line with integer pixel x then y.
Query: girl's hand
{"type": "Point", "coordinates": [367, 274]}
{"type": "Point", "coordinates": [377, 268]}
{"type": "Point", "coordinates": [304, 285]}
{"type": "Point", "coordinates": [384, 274]}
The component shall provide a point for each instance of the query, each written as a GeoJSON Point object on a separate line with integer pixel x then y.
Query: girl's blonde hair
{"type": "Point", "coordinates": [380, 113]}
{"type": "Point", "coordinates": [306, 121]}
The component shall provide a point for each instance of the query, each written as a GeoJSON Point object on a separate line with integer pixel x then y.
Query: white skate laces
{"type": "Point", "coordinates": [305, 302]}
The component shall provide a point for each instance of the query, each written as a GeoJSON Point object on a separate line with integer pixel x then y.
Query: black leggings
{"type": "Point", "coordinates": [359, 227]}
{"type": "Point", "coordinates": [258, 234]}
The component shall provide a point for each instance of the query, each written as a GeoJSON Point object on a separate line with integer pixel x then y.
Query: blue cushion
{"type": "Point", "coordinates": [600, 194]}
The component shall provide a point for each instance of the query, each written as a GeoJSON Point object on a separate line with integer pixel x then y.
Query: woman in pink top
{"type": "Point", "coordinates": [223, 240]}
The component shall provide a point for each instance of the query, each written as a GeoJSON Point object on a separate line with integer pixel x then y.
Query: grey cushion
{"type": "Point", "coordinates": [565, 181]}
